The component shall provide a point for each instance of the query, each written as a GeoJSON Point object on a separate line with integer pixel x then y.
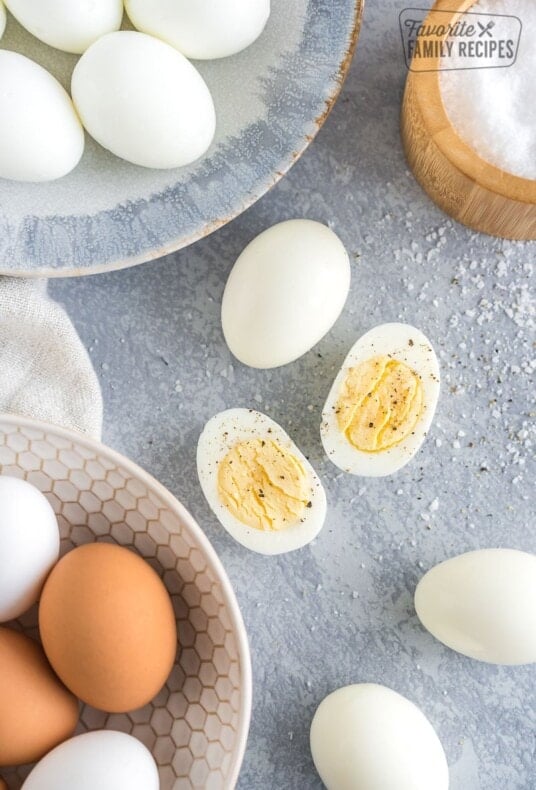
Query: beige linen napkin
{"type": "Point", "coordinates": [45, 371]}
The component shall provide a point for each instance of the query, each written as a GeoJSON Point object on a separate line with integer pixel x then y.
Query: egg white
{"type": "Point", "coordinates": [143, 101]}
{"type": "Point", "coordinates": [369, 736]}
{"type": "Point", "coordinates": [67, 25]}
{"type": "Point", "coordinates": [391, 340]}
{"type": "Point", "coordinates": [284, 293]}
{"type": "Point", "coordinates": [41, 137]}
{"type": "Point", "coordinates": [223, 432]}
{"type": "Point", "coordinates": [202, 29]}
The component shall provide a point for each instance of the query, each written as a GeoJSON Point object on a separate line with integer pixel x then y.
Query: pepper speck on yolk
{"type": "Point", "coordinates": [380, 403]}
{"type": "Point", "coordinates": [263, 485]}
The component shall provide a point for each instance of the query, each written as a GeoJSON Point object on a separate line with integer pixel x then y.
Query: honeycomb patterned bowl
{"type": "Point", "coordinates": [197, 726]}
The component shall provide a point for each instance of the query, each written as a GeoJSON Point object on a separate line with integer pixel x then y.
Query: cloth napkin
{"type": "Point", "coordinates": [45, 371]}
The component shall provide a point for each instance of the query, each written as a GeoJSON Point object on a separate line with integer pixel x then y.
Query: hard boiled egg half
{"type": "Point", "coordinates": [259, 485]}
{"type": "Point", "coordinates": [382, 402]}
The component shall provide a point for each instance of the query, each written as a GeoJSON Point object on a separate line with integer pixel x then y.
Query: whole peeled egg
{"type": "Point", "coordinates": [483, 604]}
{"type": "Point", "coordinates": [108, 627]}
{"type": "Point", "coordinates": [204, 29]}
{"type": "Point", "coordinates": [143, 101]}
{"type": "Point", "coordinates": [2, 28]}
{"type": "Point", "coordinates": [29, 545]}
{"type": "Point", "coordinates": [41, 137]}
{"type": "Point", "coordinates": [36, 710]}
{"type": "Point", "coordinates": [382, 402]}
{"type": "Point", "coordinates": [103, 760]}
{"type": "Point", "coordinates": [367, 736]}
{"type": "Point", "coordinates": [284, 293]}
{"type": "Point", "coordinates": [67, 25]}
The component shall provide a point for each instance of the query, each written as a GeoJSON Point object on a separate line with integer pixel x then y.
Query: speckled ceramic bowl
{"type": "Point", "coordinates": [270, 100]}
{"type": "Point", "coordinates": [197, 726]}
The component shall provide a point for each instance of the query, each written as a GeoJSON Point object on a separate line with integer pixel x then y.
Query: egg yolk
{"type": "Point", "coordinates": [263, 485]}
{"type": "Point", "coordinates": [380, 403]}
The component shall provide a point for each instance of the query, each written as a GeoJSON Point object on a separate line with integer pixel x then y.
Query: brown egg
{"type": "Point", "coordinates": [3, 785]}
{"type": "Point", "coordinates": [36, 710]}
{"type": "Point", "coordinates": [108, 627]}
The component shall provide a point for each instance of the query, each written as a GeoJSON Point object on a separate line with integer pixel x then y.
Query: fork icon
{"type": "Point", "coordinates": [486, 29]}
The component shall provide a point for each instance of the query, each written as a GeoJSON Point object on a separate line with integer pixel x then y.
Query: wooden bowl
{"type": "Point", "coordinates": [197, 726]}
{"type": "Point", "coordinates": [471, 190]}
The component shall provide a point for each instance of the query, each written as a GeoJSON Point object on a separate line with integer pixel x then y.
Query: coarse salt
{"type": "Point", "coordinates": [494, 109]}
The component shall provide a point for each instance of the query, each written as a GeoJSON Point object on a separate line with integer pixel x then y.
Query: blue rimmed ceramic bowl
{"type": "Point", "coordinates": [270, 100]}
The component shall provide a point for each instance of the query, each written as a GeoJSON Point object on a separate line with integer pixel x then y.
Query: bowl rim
{"type": "Point", "coordinates": [442, 131]}
{"type": "Point", "coordinates": [181, 242]}
{"type": "Point", "coordinates": [174, 504]}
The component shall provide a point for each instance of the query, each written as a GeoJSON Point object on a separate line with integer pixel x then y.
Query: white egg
{"type": "Point", "coordinates": [29, 545]}
{"type": "Point", "coordinates": [259, 485]}
{"type": "Point", "coordinates": [367, 737]}
{"type": "Point", "coordinates": [41, 138]}
{"type": "Point", "coordinates": [2, 19]}
{"type": "Point", "coordinates": [102, 759]}
{"type": "Point", "coordinates": [70, 25]}
{"type": "Point", "coordinates": [284, 293]}
{"type": "Point", "coordinates": [483, 604]}
{"type": "Point", "coordinates": [203, 29]}
{"type": "Point", "coordinates": [382, 403]}
{"type": "Point", "coordinates": [142, 100]}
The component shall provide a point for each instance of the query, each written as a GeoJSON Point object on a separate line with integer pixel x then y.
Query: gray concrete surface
{"type": "Point", "coordinates": [341, 610]}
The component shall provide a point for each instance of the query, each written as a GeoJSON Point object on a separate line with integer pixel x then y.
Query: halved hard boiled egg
{"type": "Point", "coordinates": [259, 485]}
{"type": "Point", "coordinates": [382, 402]}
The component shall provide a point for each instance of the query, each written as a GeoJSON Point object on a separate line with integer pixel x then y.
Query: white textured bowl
{"type": "Point", "coordinates": [197, 726]}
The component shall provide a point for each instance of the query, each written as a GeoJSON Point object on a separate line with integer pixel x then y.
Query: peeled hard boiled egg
{"type": "Point", "coordinates": [2, 19]}
{"type": "Point", "coordinates": [103, 759]}
{"type": "Point", "coordinates": [36, 710]}
{"type": "Point", "coordinates": [203, 29]}
{"type": "Point", "coordinates": [483, 604]}
{"type": "Point", "coordinates": [382, 402]}
{"type": "Point", "coordinates": [284, 293]}
{"type": "Point", "coordinates": [367, 737]}
{"type": "Point", "coordinates": [258, 484]}
{"type": "Point", "coordinates": [70, 25]}
{"type": "Point", "coordinates": [41, 138]}
{"type": "Point", "coordinates": [29, 545]}
{"type": "Point", "coordinates": [143, 101]}
{"type": "Point", "coordinates": [108, 627]}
